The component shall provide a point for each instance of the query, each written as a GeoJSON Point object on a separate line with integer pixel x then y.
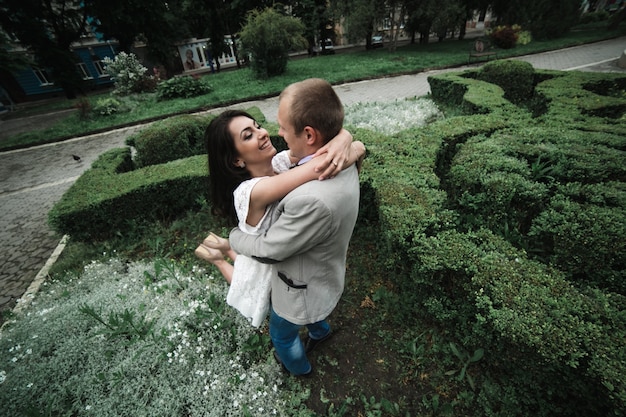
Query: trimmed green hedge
{"type": "Point", "coordinates": [516, 245]}
{"type": "Point", "coordinates": [504, 227]}
{"type": "Point", "coordinates": [170, 139]}
{"type": "Point", "coordinates": [109, 199]}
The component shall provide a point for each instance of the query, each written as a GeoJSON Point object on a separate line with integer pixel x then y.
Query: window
{"type": "Point", "coordinates": [100, 68]}
{"type": "Point", "coordinates": [42, 76]}
{"type": "Point", "coordinates": [82, 70]}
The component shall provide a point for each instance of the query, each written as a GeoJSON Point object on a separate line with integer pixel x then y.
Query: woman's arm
{"type": "Point", "coordinates": [274, 188]}
{"type": "Point", "coordinates": [341, 152]}
{"type": "Point", "coordinates": [271, 189]}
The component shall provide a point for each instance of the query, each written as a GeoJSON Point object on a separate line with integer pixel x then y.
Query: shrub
{"type": "Point", "coordinates": [586, 241]}
{"type": "Point", "coordinates": [184, 86]}
{"type": "Point", "coordinates": [109, 200]}
{"type": "Point", "coordinates": [107, 106]}
{"type": "Point", "coordinates": [504, 37]}
{"type": "Point", "coordinates": [127, 73]}
{"type": "Point", "coordinates": [599, 16]}
{"type": "Point", "coordinates": [517, 78]}
{"type": "Point", "coordinates": [269, 36]}
{"type": "Point", "coordinates": [170, 139]}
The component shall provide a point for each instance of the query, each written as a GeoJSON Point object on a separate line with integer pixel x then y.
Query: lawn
{"type": "Point", "coordinates": [241, 85]}
{"type": "Point", "coordinates": [135, 325]}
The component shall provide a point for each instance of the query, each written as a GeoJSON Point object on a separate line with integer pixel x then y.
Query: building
{"type": "Point", "coordinates": [35, 83]}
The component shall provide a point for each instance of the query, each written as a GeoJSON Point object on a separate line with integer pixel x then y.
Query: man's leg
{"type": "Point", "coordinates": [288, 345]}
{"type": "Point", "coordinates": [318, 332]}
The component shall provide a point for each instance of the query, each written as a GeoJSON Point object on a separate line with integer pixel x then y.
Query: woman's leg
{"type": "Point", "coordinates": [215, 257]}
{"type": "Point", "coordinates": [222, 244]}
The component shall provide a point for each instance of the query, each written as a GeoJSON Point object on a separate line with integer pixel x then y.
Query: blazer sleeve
{"type": "Point", "coordinates": [303, 222]}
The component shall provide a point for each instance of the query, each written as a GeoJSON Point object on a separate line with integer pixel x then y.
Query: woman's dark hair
{"type": "Point", "coordinates": [224, 175]}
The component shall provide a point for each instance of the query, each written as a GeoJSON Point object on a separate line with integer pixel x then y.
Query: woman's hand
{"type": "Point", "coordinates": [338, 154]}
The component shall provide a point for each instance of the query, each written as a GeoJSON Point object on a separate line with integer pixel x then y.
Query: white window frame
{"type": "Point", "coordinates": [83, 71]}
{"type": "Point", "coordinates": [42, 76]}
{"type": "Point", "coordinates": [100, 68]}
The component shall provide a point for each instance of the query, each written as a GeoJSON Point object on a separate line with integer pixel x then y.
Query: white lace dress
{"type": "Point", "coordinates": [249, 290]}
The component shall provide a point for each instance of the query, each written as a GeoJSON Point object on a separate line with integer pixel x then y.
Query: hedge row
{"type": "Point", "coordinates": [110, 199]}
{"type": "Point", "coordinates": [517, 244]}
{"type": "Point", "coordinates": [504, 226]}
{"type": "Point", "coordinates": [166, 178]}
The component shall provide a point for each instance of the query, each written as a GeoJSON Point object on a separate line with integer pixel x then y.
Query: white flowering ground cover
{"type": "Point", "coordinates": [153, 339]}
{"type": "Point", "coordinates": [138, 339]}
{"type": "Point", "coordinates": [392, 117]}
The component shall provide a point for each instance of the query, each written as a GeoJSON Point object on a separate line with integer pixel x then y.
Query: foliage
{"type": "Point", "coordinates": [110, 198]}
{"type": "Point", "coordinates": [107, 106]}
{"type": "Point", "coordinates": [183, 86]}
{"type": "Point", "coordinates": [546, 19]}
{"type": "Point", "coordinates": [159, 25]}
{"type": "Point", "coordinates": [269, 36]}
{"type": "Point", "coordinates": [337, 69]}
{"type": "Point", "coordinates": [127, 73]}
{"type": "Point", "coordinates": [48, 30]}
{"type": "Point", "coordinates": [504, 37]}
{"type": "Point", "coordinates": [11, 61]}
{"type": "Point", "coordinates": [460, 311]}
{"type": "Point", "coordinates": [144, 344]}
{"type": "Point", "coordinates": [517, 78]}
{"type": "Point", "coordinates": [400, 115]}
{"type": "Point", "coordinates": [359, 17]}
{"type": "Point", "coordinates": [598, 16]}
{"type": "Point", "coordinates": [167, 140]}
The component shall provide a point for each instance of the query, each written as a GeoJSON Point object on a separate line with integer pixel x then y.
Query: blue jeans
{"type": "Point", "coordinates": [288, 345]}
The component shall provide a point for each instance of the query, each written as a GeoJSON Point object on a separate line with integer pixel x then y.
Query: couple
{"type": "Point", "coordinates": [293, 231]}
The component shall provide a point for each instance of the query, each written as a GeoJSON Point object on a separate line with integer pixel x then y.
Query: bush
{"type": "Point", "coordinates": [170, 139]}
{"type": "Point", "coordinates": [107, 106]}
{"type": "Point", "coordinates": [109, 200]}
{"type": "Point", "coordinates": [517, 78]}
{"type": "Point", "coordinates": [586, 241]}
{"type": "Point", "coordinates": [128, 74]}
{"type": "Point", "coordinates": [504, 37]}
{"type": "Point", "coordinates": [592, 17]}
{"type": "Point", "coordinates": [183, 86]}
{"type": "Point", "coordinates": [269, 36]}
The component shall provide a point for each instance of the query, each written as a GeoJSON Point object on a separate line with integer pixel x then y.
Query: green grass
{"type": "Point", "coordinates": [241, 85]}
{"type": "Point", "coordinates": [102, 337]}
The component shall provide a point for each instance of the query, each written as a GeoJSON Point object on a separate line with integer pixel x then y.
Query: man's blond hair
{"type": "Point", "coordinates": [313, 102]}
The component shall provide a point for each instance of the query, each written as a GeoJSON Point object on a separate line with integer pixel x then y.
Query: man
{"type": "Point", "coordinates": [311, 229]}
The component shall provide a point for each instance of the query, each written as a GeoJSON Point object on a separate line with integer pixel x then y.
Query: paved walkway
{"type": "Point", "coordinates": [32, 180]}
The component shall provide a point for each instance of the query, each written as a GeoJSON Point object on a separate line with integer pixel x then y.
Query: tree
{"type": "Point", "coordinates": [48, 29]}
{"type": "Point", "coordinates": [10, 62]}
{"type": "Point", "coordinates": [449, 16]}
{"type": "Point", "coordinates": [546, 19]}
{"type": "Point", "coordinates": [268, 36]}
{"type": "Point", "coordinates": [360, 17]}
{"type": "Point", "coordinates": [158, 23]}
{"type": "Point", "coordinates": [421, 16]}
{"type": "Point", "coordinates": [317, 19]}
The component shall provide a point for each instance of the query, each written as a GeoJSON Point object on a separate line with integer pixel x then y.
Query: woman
{"type": "Point", "coordinates": [243, 164]}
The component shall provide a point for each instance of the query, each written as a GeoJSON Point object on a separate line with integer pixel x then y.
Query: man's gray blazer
{"type": "Point", "coordinates": [308, 241]}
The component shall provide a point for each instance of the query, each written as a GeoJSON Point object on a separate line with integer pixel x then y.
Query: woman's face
{"type": "Point", "coordinates": [252, 142]}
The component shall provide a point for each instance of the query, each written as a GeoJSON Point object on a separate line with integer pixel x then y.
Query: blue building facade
{"type": "Point", "coordinates": [35, 83]}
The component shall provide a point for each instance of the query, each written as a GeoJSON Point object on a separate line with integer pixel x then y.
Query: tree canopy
{"type": "Point", "coordinates": [49, 27]}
